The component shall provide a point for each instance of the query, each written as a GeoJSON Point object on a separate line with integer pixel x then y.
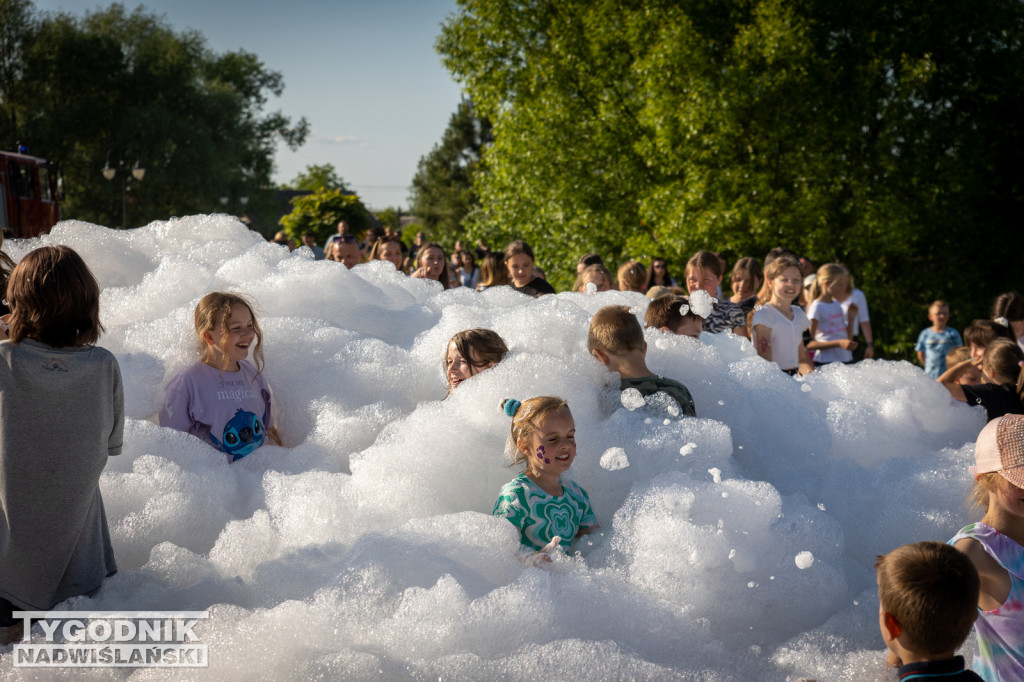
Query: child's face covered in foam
{"type": "Point", "coordinates": [552, 446]}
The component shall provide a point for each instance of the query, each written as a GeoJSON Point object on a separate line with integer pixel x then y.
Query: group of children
{"type": "Point", "coordinates": [929, 593]}
{"type": "Point", "coordinates": [985, 367]}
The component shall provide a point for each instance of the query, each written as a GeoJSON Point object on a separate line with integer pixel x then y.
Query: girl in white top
{"type": "Point", "coordinates": [849, 296]}
{"type": "Point", "coordinates": [778, 326]}
{"type": "Point", "coordinates": [831, 328]}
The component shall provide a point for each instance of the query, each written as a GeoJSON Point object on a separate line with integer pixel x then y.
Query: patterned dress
{"type": "Point", "coordinates": [724, 318]}
{"type": "Point", "coordinates": [540, 517]}
{"type": "Point", "coordinates": [1000, 653]}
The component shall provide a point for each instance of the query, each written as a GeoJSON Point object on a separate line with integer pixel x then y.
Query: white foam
{"type": "Point", "coordinates": [614, 459]}
{"type": "Point", "coordinates": [365, 547]}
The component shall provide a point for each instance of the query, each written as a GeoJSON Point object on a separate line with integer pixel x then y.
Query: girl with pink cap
{"type": "Point", "coordinates": [995, 545]}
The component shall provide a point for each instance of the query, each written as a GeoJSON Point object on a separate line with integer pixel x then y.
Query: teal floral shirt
{"type": "Point", "coordinates": [540, 517]}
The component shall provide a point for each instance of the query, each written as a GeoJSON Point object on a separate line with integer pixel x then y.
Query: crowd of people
{"type": "Point", "coordinates": [797, 317]}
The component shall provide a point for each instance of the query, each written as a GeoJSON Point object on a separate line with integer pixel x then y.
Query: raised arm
{"type": "Point", "coordinates": [949, 377]}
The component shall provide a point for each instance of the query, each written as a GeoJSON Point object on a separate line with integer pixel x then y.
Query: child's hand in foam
{"type": "Point", "coordinates": [543, 556]}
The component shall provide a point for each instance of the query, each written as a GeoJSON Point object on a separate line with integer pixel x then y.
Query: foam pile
{"type": "Point", "coordinates": [734, 546]}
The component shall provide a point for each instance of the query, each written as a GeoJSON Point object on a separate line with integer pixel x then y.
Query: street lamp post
{"type": "Point", "coordinates": [137, 172]}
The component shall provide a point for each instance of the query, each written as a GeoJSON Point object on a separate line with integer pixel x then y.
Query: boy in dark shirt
{"type": "Point", "coordinates": [616, 339]}
{"type": "Point", "coordinates": [928, 601]}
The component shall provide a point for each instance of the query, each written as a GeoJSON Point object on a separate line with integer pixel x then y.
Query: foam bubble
{"type": "Point", "coordinates": [614, 459]}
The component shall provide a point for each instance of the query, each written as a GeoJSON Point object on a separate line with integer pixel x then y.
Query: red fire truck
{"type": "Point", "coordinates": [29, 195]}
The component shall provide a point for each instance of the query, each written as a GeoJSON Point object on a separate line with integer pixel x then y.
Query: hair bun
{"type": "Point", "coordinates": [510, 406]}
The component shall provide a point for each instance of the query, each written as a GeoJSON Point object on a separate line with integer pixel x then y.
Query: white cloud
{"type": "Point", "coordinates": [336, 139]}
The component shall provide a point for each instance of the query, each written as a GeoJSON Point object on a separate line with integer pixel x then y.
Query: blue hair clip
{"type": "Point", "coordinates": [511, 406]}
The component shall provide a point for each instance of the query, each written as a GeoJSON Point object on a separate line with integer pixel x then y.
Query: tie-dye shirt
{"type": "Point", "coordinates": [540, 517]}
{"type": "Point", "coordinates": [1000, 653]}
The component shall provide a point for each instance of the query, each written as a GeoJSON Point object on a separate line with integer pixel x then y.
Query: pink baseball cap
{"type": "Point", "coordinates": [1000, 447]}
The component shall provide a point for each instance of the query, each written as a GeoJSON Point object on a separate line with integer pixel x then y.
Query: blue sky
{"type": "Point", "coordinates": [364, 73]}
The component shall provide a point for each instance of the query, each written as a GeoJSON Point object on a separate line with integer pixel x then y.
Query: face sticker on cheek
{"type": "Point", "coordinates": [540, 452]}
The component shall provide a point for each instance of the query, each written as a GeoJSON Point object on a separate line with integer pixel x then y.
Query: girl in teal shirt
{"type": "Point", "coordinates": [549, 511]}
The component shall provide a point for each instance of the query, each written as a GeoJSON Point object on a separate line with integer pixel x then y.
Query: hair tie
{"type": "Point", "coordinates": [1002, 321]}
{"type": "Point", "coordinates": [510, 406]}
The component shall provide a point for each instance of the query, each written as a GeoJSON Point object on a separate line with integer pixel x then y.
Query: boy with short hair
{"type": "Point", "coordinates": [969, 374]}
{"type": "Point", "coordinates": [934, 342]}
{"type": "Point", "coordinates": [928, 601]}
{"type": "Point", "coordinates": [617, 340]}
{"type": "Point", "coordinates": [663, 313]}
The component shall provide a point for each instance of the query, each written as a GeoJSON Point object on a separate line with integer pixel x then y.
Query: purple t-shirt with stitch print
{"type": "Point", "coordinates": [229, 410]}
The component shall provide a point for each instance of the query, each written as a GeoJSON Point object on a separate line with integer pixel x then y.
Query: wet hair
{"type": "Point", "coordinates": [486, 346]}
{"type": "Point", "coordinates": [664, 312]}
{"type": "Point", "coordinates": [493, 271]}
{"type": "Point", "coordinates": [526, 417]}
{"type": "Point", "coordinates": [215, 309]}
{"type": "Point", "coordinates": [983, 332]}
{"type": "Point", "coordinates": [445, 277]}
{"type": "Point", "coordinates": [615, 330]}
{"type": "Point", "coordinates": [1009, 305]}
{"type": "Point", "coordinates": [54, 299]}
{"type": "Point", "coordinates": [581, 278]}
{"type": "Point", "coordinates": [650, 273]}
{"type": "Point", "coordinates": [633, 274]}
{"type": "Point", "coordinates": [931, 589]}
{"type": "Point", "coordinates": [752, 268]}
{"type": "Point", "coordinates": [827, 273]}
{"type": "Point", "coordinates": [1002, 360]}
{"type": "Point", "coordinates": [588, 259]}
{"type": "Point", "coordinates": [517, 247]}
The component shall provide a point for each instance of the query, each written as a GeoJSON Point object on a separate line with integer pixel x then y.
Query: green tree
{"type": "Point", "coordinates": [123, 86]}
{"type": "Point", "coordinates": [321, 211]}
{"type": "Point", "coordinates": [390, 217]}
{"type": "Point", "coordinates": [442, 189]}
{"type": "Point", "coordinates": [882, 135]}
{"type": "Point", "coordinates": [317, 177]}
{"type": "Point", "coordinates": [17, 18]}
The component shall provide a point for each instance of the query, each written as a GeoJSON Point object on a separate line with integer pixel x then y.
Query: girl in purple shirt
{"type": "Point", "coordinates": [224, 398]}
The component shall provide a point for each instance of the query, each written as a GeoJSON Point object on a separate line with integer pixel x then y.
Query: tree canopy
{"type": "Point", "coordinates": [321, 211]}
{"type": "Point", "coordinates": [882, 134]}
{"type": "Point", "coordinates": [317, 177]}
{"type": "Point", "coordinates": [118, 86]}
